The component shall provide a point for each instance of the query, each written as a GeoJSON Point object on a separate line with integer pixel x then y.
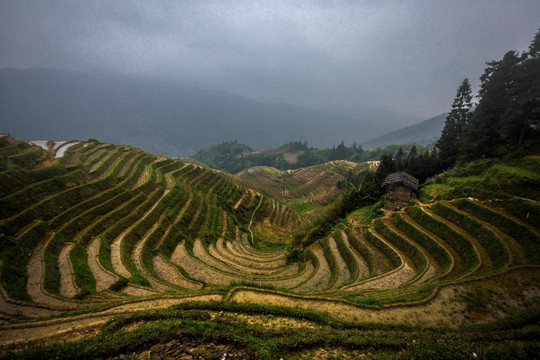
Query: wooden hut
{"type": "Point", "coordinates": [400, 189]}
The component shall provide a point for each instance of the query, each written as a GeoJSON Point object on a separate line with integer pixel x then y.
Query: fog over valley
{"type": "Point", "coordinates": [174, 77]}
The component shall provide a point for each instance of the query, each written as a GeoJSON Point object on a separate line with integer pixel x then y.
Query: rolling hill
{"type": "Point", "coordinates": [307, 188]}
{"type": "Point", "coordinates": [166, 117]}
{"type": "Point", "coordinates": [426, 132]}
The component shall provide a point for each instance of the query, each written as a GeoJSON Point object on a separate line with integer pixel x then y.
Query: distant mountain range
{"type": "Point", "coordinates": [166, 117]}
{"type": "Point", "coordinates": [426, 132]}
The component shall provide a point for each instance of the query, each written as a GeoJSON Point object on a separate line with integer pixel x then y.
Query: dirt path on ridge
{"type": "Point", "coordinates": [363, 268]}
{"type": "Point", "coordinates": [104, 278]}
{"type": "Point", "coordinates": [343, 273]}
{"type": "Point", "coordinates": [34, 272]}
{"type": "Point", "coordinates": [137, 254]}
{"type": "Point", "coordinates": [199, 270]}
{"type": "Point", "coordinates": [170, 274]}
{"type": "Point", "coordinates": [18, 335]}
{"type": "Point", "coordinates": [68, 288]}
{"type": "Point", "coordinates": [319, 280]}
{"type": "Point", "coordinates": [116, 246]}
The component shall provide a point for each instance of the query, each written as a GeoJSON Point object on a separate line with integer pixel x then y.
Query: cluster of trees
{"type": "Point", "coordinates": [311, 156]}
{"type": "Point", "coordinates": [420, 164]}
{"type": "Point", "coordinates": [507, 116]}
{"type": "Point", "coordinates": [234, 157]}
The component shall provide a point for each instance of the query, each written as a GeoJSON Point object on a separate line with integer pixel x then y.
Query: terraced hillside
{"type": "Point", "coordinates": [105, 221]}
{"type": "Point", "coordinates": [305, 188]}
{"type": "Point", "coordinates": [107, 230]}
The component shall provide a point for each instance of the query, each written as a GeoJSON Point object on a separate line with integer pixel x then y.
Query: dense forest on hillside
{"type": "Point", "coordinates": [234, 157]}
{"type": "Point", "coordinates": [507, 117]}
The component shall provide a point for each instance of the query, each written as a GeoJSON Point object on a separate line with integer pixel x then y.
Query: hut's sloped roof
{"type": "Point", "coordinates": [402, 178]}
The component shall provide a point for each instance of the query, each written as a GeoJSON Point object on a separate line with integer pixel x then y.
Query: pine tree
{"type": "Point", "coordinates": [399, 159]}
{"type": "Point", "coordinates": [521, 118]}
{"type": "Point", "coordinates": [340, 152]}
{"type": "Point", "coordinates": [455, 124]}
{"type": "Point", "coordinates": [386, 166]}
{"type": "Point", "coordinates": [482, 137]}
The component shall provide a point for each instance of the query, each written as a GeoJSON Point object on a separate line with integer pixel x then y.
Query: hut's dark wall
{"type": "Point", "coordinates": [397, 195]}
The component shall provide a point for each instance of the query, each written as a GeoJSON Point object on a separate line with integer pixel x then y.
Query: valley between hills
{"type": "Point", "coordinates": [108, 251]}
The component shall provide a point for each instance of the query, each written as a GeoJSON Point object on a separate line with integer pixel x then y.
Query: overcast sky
{"type": "Point", "coordinates": [400, 55]}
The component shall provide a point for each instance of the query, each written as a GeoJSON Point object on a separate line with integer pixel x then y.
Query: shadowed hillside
{"type": "Point", "coordinates": [184, 118]}
{"type": "Point", "coordinates": [426, 132]}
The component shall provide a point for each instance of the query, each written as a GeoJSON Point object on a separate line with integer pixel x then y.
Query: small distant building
{"type": "Point", "coordinates": [400, 189]}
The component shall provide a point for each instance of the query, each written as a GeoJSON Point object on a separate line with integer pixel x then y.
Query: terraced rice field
{"type": "Point", "coordinates": [316, 185]}
{"type": "Point", "coordinates": [105, 225]}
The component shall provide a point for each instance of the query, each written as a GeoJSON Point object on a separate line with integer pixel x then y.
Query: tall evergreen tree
{"type": "Point", "coordinates": [400, 164]}
{"type": "Point", "coordinates": [386, 166]}
{"type": "Point", "coordinates": [455, 124]}
{"type": "Point", "coordinates": [412, 153]}
{"type": "Point", "coordinates": [340, 152]}
{"type": "Point", "coordinates": [521, 118]}
{"type": "Point", "coordinates": [482, 137]}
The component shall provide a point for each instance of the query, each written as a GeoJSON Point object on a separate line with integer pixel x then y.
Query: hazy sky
{"type": "Point", "coordinates": [405, 56]}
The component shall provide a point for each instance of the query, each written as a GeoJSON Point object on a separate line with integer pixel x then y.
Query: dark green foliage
{"type": "Point", "coordinates": [528, 239]}
{"type": "Point", "coordinates": [394, 258]}
{"type": "Point", "coordinates": [482, 137]}
{"type": "Point", "coordinates": [120, 284]}
{"type": "Point", "coordinates": [104, 254]}
{"type": "Point", "coordinates": [368, 193]}
{"type": "Point", "coordinates": [9, 149]}
{"type": "Point", "coordinates": [172, 202]}
{"type": "Point", "coordinates": [461, 245]}
{"type": "Point", "coordinates": [194, 323]}
{"type": "Point", "coordinates": [490, 179]}
{"type": "Point", "coordinates": [520, 117]}
{"type": "Point", "coordinates": [29, 158]}
{"type": "Point", "coordinates": [489, 241]}
{"type": "Point", "coordinates": [362, 250]}
{"type": "Point", "coordinates": [136, 234]}
{"type": "Point", "coordinates": [525, 210]}
{"type": "Point", "coordinates": [330, 259]}
{"type": "Point", "coordinates": [234, 157]}
{"type": "Point", "coordinates": [403, 245]}
{"type": "Point", "coordinates": [387, 166]}
{"type": "Point", "coordinates": [67, 232]}
{"type": "Point", "coordinates": [15, 180]}
{"type": "Point", "coordinates": [454, 126]}
{"type": "Point", "coordinates": [51, 281]}
{"type": "Point", "coordinates": [13, 275]}
{"type": "Point", "coordinates": [121, 206]}
{"type": "Point", "coordinates": [132, 216]}
{"type": "Point", "coordinates": [15, 254]}
{"type": "Point", "coordinates": [346, 255]}
{"type": "Point", "coordinates": [83, 275]}
{"type": "Point", "coordinates": [440, 255]}
{"type": "Point", "coordinates": [24, 198]}
{"type": "Point", "coordinates": [226, 156]}
{"type": "Point", "coordinates": [140, 162]}
{"type": "Point", "coordinates": [507, 115]}
{"type": "Point", "coordinates": [63, 203]}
